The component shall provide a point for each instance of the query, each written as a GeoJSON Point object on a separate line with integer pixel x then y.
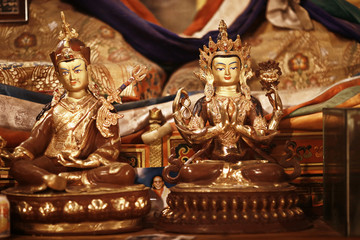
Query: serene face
{"type": "Point", "coordinates": [73, 75]}
{"type": "Point", "coordinates": [226, 71]}
{"type": "Point", "coordinates": [158, 183]}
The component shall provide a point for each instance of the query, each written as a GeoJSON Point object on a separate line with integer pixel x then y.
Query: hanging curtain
{"type": "Point", "coordinates": [168, 48]}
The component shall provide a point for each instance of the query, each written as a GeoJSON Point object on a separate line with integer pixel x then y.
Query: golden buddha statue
{"type": "Point", "coordinates": [69, 178]}
{"type": "Point", "coordinates": [222, 181]}
{"type": "Point", "coordinates": [227, 123]}
{"type": "Point", "coordinates": [76, 140]}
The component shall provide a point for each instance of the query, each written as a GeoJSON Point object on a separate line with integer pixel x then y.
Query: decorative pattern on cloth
{"type": "Point", "coordinates": [308, 59]}
{"type": "Point", "coordinates": [184, 77]}
{"type": "Point", "coordinates": [25, 61]}
{"type": "Point", "coordinates": [18, 114]}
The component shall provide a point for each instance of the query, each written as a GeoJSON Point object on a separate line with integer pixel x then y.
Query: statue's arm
{"type": "Point", "coordinates": [194, 128]}
{"type": "Point", "coordinates": [277, 110]}
{"type": "Point", "coordinates": [38, 141]}
{"type": "Point", "coordinates": [109, 149]}
{"type": "Point", "coordinates": [256, 127]}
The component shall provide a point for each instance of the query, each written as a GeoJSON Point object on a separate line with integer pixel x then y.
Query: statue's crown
{"type": "Point", "coordinates": [224, 46]}
{"type": "Point", "coordinates": [69, 47]}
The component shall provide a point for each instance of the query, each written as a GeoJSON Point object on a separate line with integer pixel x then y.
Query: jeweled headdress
{"type": "Point", "coordinates": [223, 47]}
{"type": "Point", "coordinates": [69, 47]}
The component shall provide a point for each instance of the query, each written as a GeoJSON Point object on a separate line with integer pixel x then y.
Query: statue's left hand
{"type": "Point", "coordinates": [139, 73]}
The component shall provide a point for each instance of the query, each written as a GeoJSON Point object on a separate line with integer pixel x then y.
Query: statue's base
{"type": "Point", "coordinates": [86, 212]}
{"type": "Point", "coordinates": [232, 210]}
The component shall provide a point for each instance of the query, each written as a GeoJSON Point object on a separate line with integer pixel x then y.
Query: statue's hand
{"type": "Point", "coordinates": [250, 133]}
{"type": "Point", "coordinates": [224, 125]}
{"type": "Point", "coordinates": [21, 153]}
{"type": "Point", "coordinates": [275, 101]}
{"type": "Point", "coordinates": [69, 161]}
{"type": "Point", "coordinates": [270, 134]}
{"type": "Point", "coordinates": [139, 73]}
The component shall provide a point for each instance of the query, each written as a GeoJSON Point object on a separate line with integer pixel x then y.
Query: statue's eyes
{"type": "Point", "coordinates": [77, 71]}
{"type": "Point", "coordinates": [65, 73]}
{"type": "Point", "coordinates": [220, 69]}
{"type": "Point", "coordinates": [233, 68]}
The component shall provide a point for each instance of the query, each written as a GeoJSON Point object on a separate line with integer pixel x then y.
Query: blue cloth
{"type": "Point", "coordinates": [340, 8]}
{"type": "Point", "coordinates": [167, 48]}
{"type": "Point", "coordinates": [334, 24]}
{"type": "Point", "coordinates": [156, 42]}
{"type": "Point", "coordinates": [42, 98]}
{"type": "Point", "coordinates": [24, 94]}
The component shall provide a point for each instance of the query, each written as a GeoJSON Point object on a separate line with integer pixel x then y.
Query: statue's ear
{"type": "Point", "coordinates": [53, 59]}
{"type": "Point", "coordinates": [85, 51]}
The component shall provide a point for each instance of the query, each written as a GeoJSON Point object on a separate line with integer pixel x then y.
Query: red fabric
{"type": "Point", "coordinates": [203, 16]}
{"type": "Point", "coordinates": [13, 137]}
{"type": "Point", "coordinates": [141, 10]}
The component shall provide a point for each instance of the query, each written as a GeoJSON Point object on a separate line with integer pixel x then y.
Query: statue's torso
{"type": "Point", "coordinates": [237, 111]}
{"type": "Point", "coordinates": [72, 126]}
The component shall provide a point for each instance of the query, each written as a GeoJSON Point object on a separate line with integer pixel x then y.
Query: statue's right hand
{"type": "Point", "coordinates": [21, 153]}
{"type": "Point", "coordinates": [224, 123]}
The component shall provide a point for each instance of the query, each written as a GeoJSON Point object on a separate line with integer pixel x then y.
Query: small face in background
{"type": "Point", "coordinates": [158, 182]}
{"type": "Point", "coordinates": [226, 70]}
{"type": "Point", "coordinates": [73, 75]}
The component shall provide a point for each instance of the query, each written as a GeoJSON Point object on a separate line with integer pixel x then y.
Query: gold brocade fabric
{"type": "Point", "coordinates": [25, 61]}
{"type": "Point", "coordinates": [315, 58]}
{"type": "Point", "coordinates": [308, 59]}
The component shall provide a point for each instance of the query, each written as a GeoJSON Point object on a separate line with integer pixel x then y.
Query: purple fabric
{"type": "Point", "coordinates": [167, 48]}
{"type": "Point", "coordinates": [334, 24]}
{"type": "Point", "coordinates": [155, 42]}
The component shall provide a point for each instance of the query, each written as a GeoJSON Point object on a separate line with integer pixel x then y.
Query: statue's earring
{"type": "Point", "coordinates": [94, 88]}
{"type": "Point", "coordinates": [58, 93]}
{"type": "Point", "coordinates": [209, 86]}
{"type": "Point", "coordinates": [93, 85]}
{"type": "Point", "coordinates": [209, 91]}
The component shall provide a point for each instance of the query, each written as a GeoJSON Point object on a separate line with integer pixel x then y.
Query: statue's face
{"type": "Point", "coordinates": [73, 75]}
{"type": "Point", "coordinates": [158, 183]}
{"type": "Point", "coordinates": [226, 71]}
